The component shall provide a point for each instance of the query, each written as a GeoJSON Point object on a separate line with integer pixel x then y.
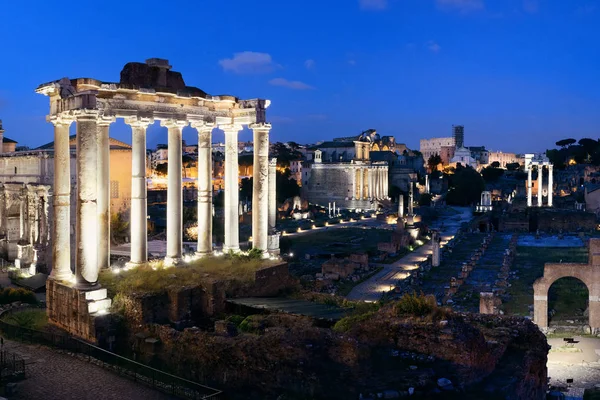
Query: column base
{"type": "Point", "coordinates": [135, 264]}
{"type": "Point", "coordinates": [232, 249]}
{"type": "Point", "coordinates": [82, 313]}
{"type": "Point", "coordinates": [203, 254]}
{"type": "Point", "coordinates": [173, 261]}
{"type": "Point", "coordinates": [273, 244]}
{"type": "Point", "coordinates": [85, 286]}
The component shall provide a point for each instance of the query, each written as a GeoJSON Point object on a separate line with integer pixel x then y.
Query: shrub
{"type": "Point", "coordinates": [10, 295]}
{"type": "Point", "coordinates": [30, 319]}
{"type": "Point", "coordinates": [236, 319]}
{"type": "Point", "coordinates": [347, 323]}
{"type": "Point", "coordinates": [414, 304]}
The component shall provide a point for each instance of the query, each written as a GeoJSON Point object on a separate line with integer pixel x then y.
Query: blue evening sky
{"type": "Point", "coordinates": [519, 74]}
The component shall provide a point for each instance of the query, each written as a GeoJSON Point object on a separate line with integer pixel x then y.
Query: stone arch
{"type": "Point", "coordinates": [589, 274]}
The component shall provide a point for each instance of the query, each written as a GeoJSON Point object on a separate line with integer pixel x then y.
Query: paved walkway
{"type": "Point", "coordinates": [583, 367]}
{"type": "Point", "coordinates": [53, 375]}
{"type": "Point", "coordinates": [372, 289]}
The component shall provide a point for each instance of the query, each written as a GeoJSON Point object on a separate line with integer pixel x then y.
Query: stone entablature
{"type": "Point", "coordinates": [147, 93]}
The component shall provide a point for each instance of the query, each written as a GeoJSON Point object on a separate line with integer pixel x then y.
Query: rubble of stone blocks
{"type": "Point", "coordinates": [467, 267]}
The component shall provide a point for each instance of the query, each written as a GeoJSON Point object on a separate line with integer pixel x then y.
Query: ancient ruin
{"type": "Point", "coordinates": [24, 225]}
{"type": "Point", "coordinates": [147, 92]}
{"type": "Point", "coordinates": [588, 273]}
{"type": "Point", "coordinates": [540, 161]}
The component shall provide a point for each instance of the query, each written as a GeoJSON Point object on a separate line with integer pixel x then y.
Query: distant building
{"type": "Point", "coordinates": [296, 171]}
{"type": "Point", "coordinates": [443, 147]}
{"type": "Point", "coordinates": [503, 158]}
{"type": "Point", "coordinates": [463, 156]}
{"type": "Point", "coordinates": [458, 134]}
{"type": "Point", "coordinates": [342, 171]}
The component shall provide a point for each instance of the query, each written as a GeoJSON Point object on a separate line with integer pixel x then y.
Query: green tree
{"type": "Point", "coordinates": [246, 188]}
{"type": "Point", "coordinates": [433, 162]}
{"type": "Point", "coordinates": [513, 166]}
{"type": "Point", "coordinates": [465, 186]}
{"type": "Point", "coordinates": [286, 187]}
{"type": "Point", "coordinates": [566, 142]}
{"type": "Point", "coordinates": [186, 162]}
{"type": "Point", "coordinates": [162, 169]}
{"type": "Point", "coordinates": [491, 174]}
{"type": "Point", "coordinates": [285, 153]}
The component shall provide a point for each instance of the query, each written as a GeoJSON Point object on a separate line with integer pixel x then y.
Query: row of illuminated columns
{"type": "Point", "coordinates": [540, 185]}
{"type": "Point", "coordinates": [370, 182]}
{"type": "Point", "coordinates": [33, 215]}
{"type": "Point", "coordinates": [93, 197]}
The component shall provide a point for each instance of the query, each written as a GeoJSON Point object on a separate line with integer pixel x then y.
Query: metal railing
{"type": "Point", "coordinates": [123, 366]}
{"type": "Point", "coordinates": [11, 366]}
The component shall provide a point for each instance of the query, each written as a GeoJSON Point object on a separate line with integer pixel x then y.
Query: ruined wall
{"type": "Point", "coordinates": [480, 354]}
{"type": "Point", "coordinates": [174, 304]}
{"type": "Point", "coordinates": [67, 308]}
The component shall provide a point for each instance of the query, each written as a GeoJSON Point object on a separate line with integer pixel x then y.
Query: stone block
{"type": "Point", "coordinates": [99, 305]}
{"type": "Point", "coordinates": [97, 294]}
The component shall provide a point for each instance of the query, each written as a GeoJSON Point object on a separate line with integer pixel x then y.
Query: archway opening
{"type": "Point", "coordinates": [568, 300]}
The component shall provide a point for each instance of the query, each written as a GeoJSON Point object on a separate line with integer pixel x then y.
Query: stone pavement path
{"type": "Point", "coordinates": [583, 367]}
{"type": "Point", "coordinates": [53, 375]}
{"type": "Point", "coordinates": [373, 288]}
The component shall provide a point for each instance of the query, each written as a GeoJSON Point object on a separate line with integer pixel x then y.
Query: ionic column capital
{"type": "Point", "coordinates": [104, 120]}
{"type": "Point", "coordinates": [202, 125]}
{"type": "Point", "coordinates": [231, 128]}
{"type": "Point", "coordinates": [260, 126]}
{"type": "Point", "coordinates": [86, 114]}
{"type": "Point", "coordinates": [139, 122]}
{"type": "Point", "coordinates": [273, 162]}
{"type": "Point", "coordinates": [60, 119]}
{"type": "Point", "coordinates": [174, 123]}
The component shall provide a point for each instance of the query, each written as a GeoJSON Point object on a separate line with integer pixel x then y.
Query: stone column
{"type": "Point", "coordinates": [361, 177]}
{"type": "Point", "coordinates": [174, 192]}
{"type": "Point", "coordinates": [232, 189]}
{"type": "Point", "coordinates": [386, 188]}
{"type": "Point", "coordinates": [273, 195]}
{"type": "Point", "coordinates": [529, 184]}
{"type": "Point", "coordinates": [550, 185]}
{"type": "Point", "coordinates": [205, 192]}
{"type": "Point", "coordinates": [410, 199]}
{"type": "Point", "coordinates": [3, 213]}
{"type": "Point", "coordinates": [426, 183]}
{"type": "Point", "coordinates": [540, 183]}
{"type": "Point", "coordinates": [23, 216]}
{"type": "Point", "coordinates": [354, 186]}
{"type": "Point", "coordinates": [86, 239]}
{"type": "Point", "coordinates": [61, 219]}
{"type": "Point", "coordinates": [401, 206]}
{"type": "Point", "coordinates": [139, 195]}
{"type": "Point", "coordinates": [435, 249]}
{"type": "Point", "coordinates": [260, 187]}
{"type": "Point", "coordinates": [103, 182]}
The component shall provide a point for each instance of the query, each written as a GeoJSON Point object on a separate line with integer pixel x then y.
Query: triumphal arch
{"type": "Point", "coordinates": [147, 92]}
{"type": "Point", "coordinates": [588, 273]}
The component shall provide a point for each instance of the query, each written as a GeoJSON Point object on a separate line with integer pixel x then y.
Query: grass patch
{"type": "Point", "coordinates": [565, 349]}
{"type": "Point", "coordinates": [30, 319]}
{"type": "Point", "coordinates": [529, 264]}
{"type": "Point", "coordinates": [419, 305]}
{"type": "Point", "coordinates": [157, 278]}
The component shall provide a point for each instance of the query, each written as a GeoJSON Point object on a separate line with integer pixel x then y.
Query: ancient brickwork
{"type": "Point", "coordinates": [74, 310]}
